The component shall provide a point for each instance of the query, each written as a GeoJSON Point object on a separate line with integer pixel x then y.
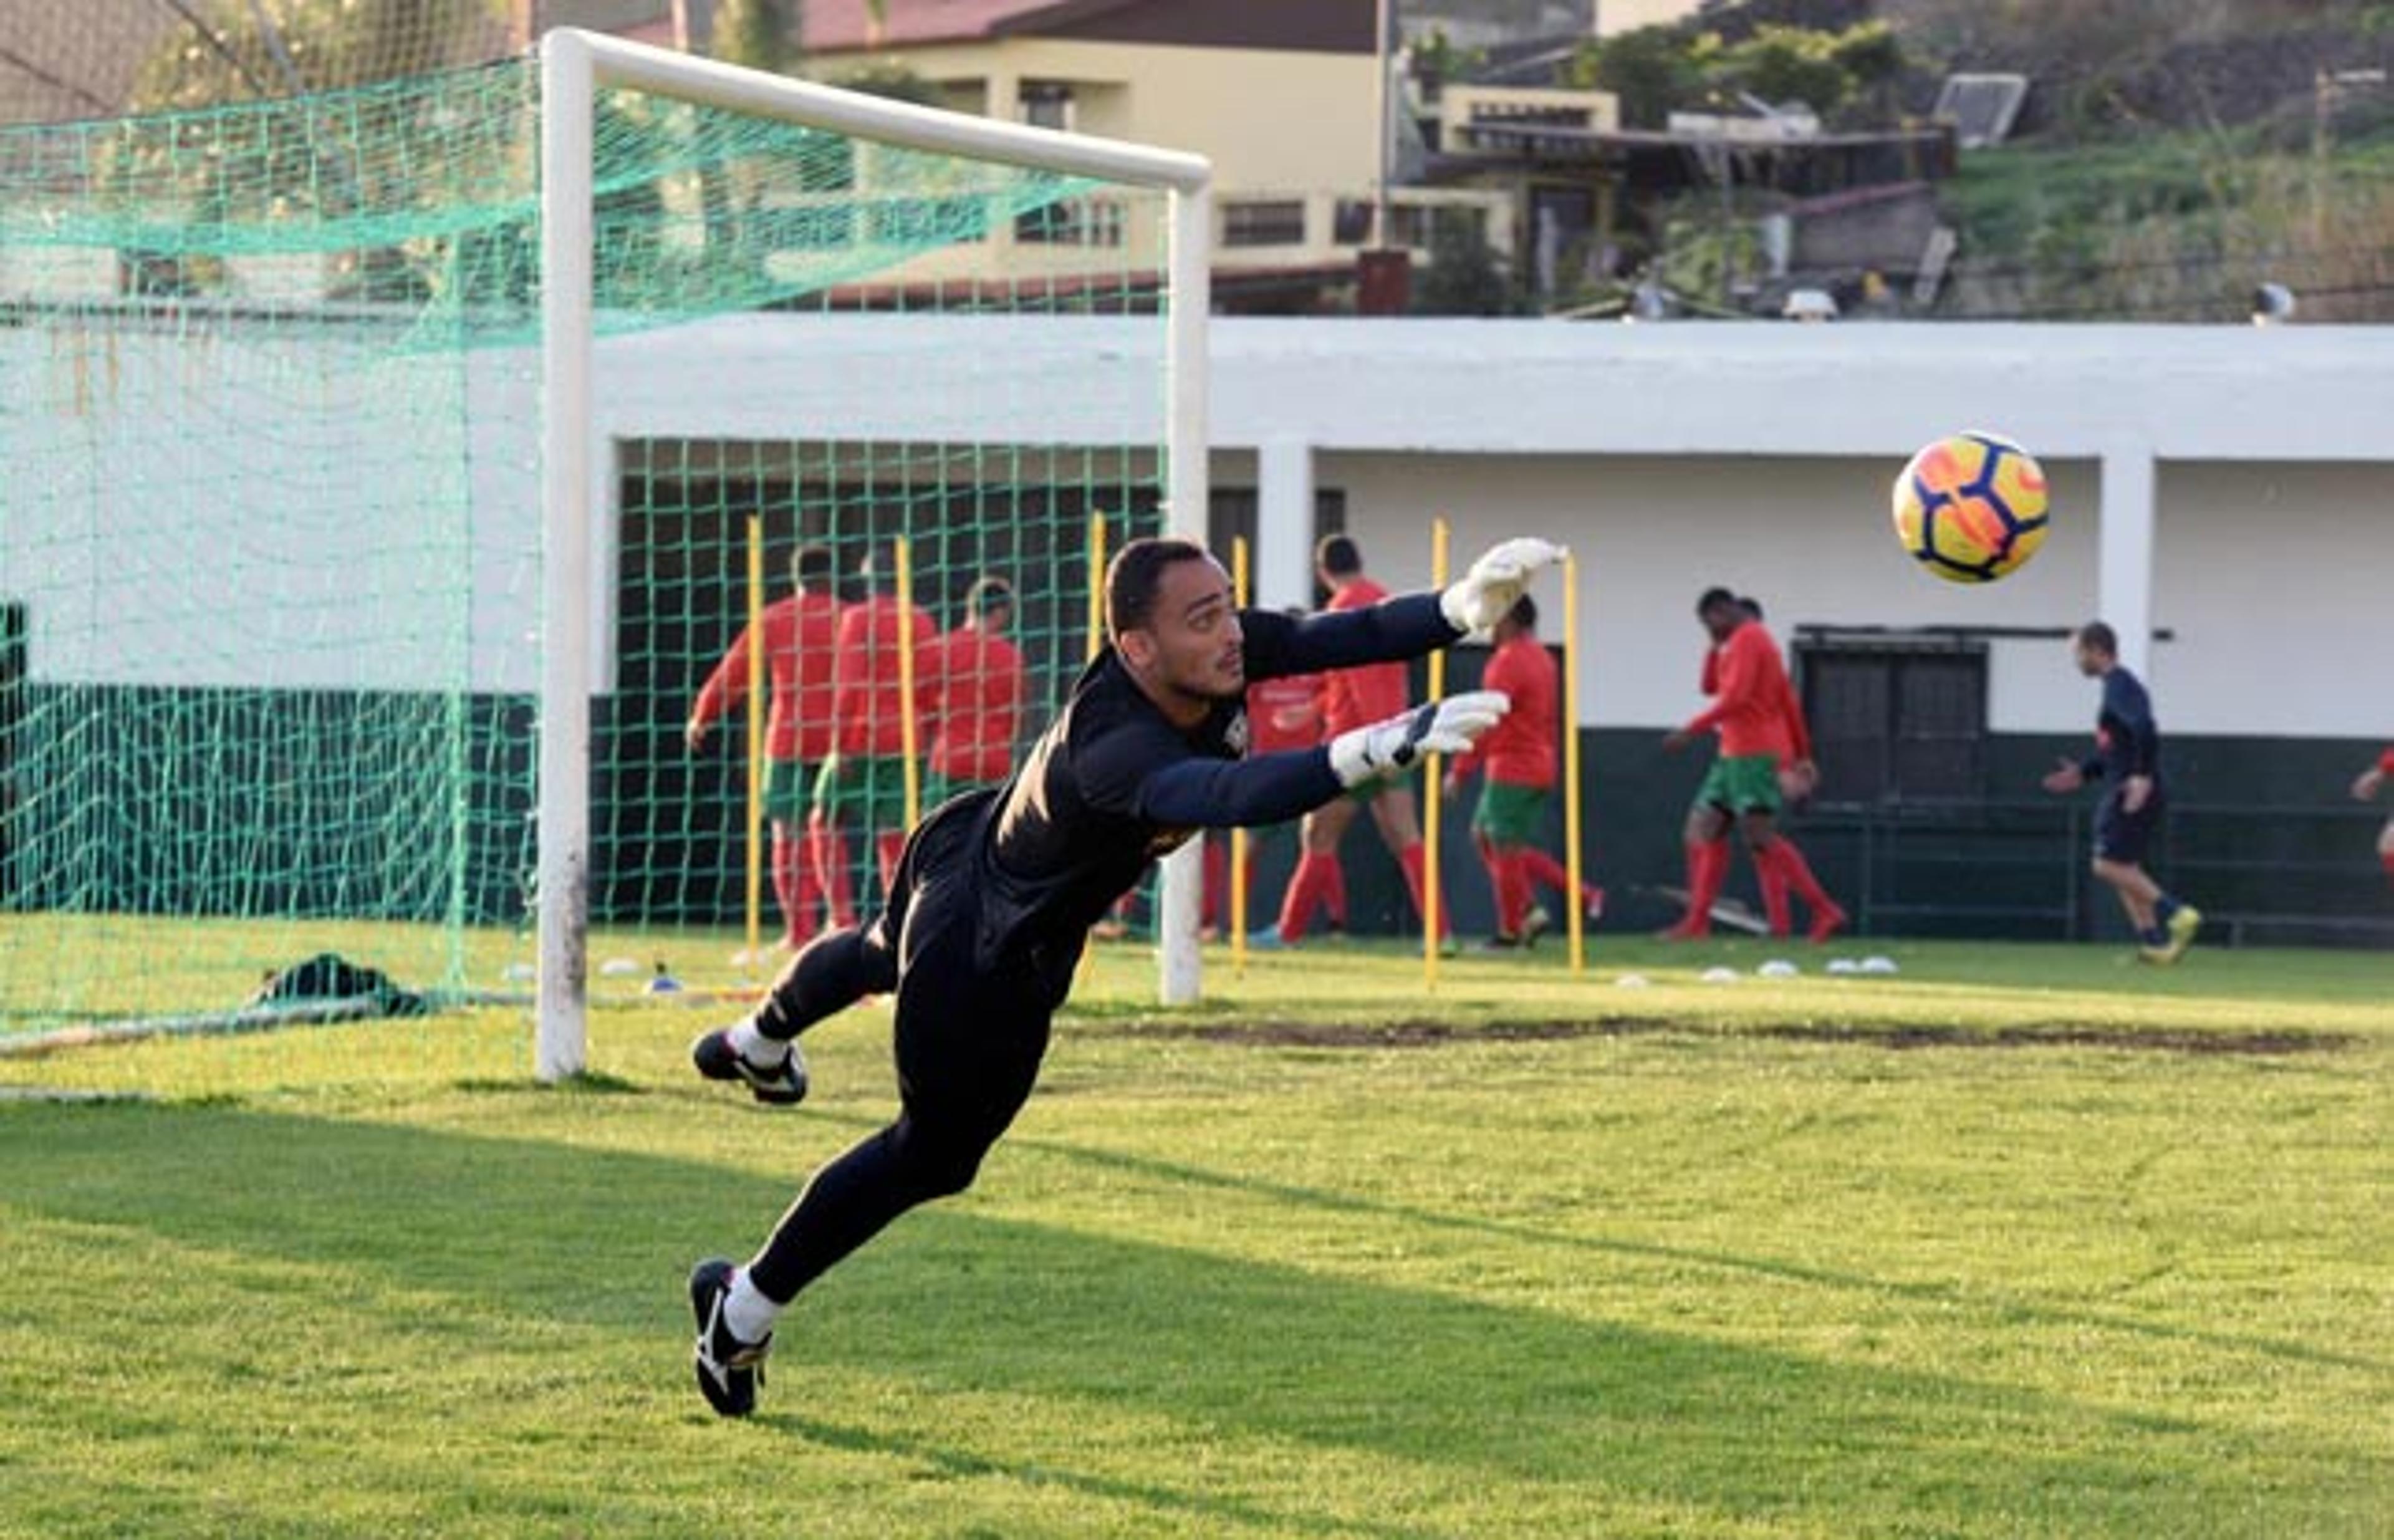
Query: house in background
{"type": "Point", "coordinates": [1280, 95]}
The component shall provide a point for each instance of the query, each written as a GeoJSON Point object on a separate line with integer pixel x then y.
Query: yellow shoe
{"type": "Point", "coordinates": [2182, 927]}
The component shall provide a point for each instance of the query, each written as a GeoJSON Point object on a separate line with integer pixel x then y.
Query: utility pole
{"type": "Point", "coordinates": [1381, 234]}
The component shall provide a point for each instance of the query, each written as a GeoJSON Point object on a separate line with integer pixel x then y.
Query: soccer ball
{"type": "Point", "coordinates": [1971, 508]}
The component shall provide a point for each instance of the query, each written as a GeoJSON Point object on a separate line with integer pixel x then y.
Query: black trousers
{"type": "Point", "coordinates": [972, 1022]}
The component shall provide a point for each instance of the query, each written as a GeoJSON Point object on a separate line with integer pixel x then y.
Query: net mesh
{"type": "Point", "coordinates": [270, 528]}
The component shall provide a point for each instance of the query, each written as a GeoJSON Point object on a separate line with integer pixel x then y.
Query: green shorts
{"type": "Point", "coordinates": [862, 791]}
{"type": "Point", "coordinates": [939, 788]}
{"type": "Point", "coordinates": [1741, 784]}
{"type": "Point", "coordinates": [789, 791]}
{"type": "Point", "coordinates": [1509, 814]}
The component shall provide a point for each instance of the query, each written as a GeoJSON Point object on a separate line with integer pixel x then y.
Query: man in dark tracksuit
{"type": "Point", "coordinates": [995, 892]}
{"type": "Point", "coordinates": [2127, 761]}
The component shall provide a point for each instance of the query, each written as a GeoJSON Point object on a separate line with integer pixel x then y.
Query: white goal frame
{"type": "Point", "coordinates": [573, 64]}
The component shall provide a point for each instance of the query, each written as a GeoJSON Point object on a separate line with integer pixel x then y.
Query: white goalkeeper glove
{"type": "Point", "coordinates": [1494, 583]}
{"type": "Point", "coordinates": [1447, 727]}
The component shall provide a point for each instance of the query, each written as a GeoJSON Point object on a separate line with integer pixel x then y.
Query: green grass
{"type": "Point", "coordinates": [2019, 1242]}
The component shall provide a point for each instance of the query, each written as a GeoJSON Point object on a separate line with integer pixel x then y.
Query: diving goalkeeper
{"type": "Point", "coordinates": [996, 891]}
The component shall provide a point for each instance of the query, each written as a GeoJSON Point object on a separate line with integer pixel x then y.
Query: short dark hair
{"type": "Point", "coordinates": [1136, 575]}
{"type": "Point", "coordinates": [1338, 555]}
{"type": "Point", "coordinates": [1524, 613]}
{"type": "Point", "coordinates": [1714, 598]}
{"type": "Point", "coordinates": [1750, 604]}
{"type": "Point", "coordinates": [811, 567]}
{"type": "Point", "coordinates": [2096, 637]}
{"type": "Point", "coordinates": [988, 594]}
{"type": "Point", "coordinates": [878, 567]}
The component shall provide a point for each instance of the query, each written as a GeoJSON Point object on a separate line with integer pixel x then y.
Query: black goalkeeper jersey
{"type": "Point", "coordinates": [1112, 785]}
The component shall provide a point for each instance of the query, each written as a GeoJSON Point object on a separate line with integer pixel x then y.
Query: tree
{"type": "Point", "coordinates": [1465, 277]}
{"type": "Point", "coordinates": [1649, 68]}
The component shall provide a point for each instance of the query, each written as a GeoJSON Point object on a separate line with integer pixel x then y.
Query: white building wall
{"type": "Point", "coordinates": [1673, 456]}
{"type": "Point", "coordinates": [2279, 582]}
{"type": "Point", "coordinates": [1809, 538]}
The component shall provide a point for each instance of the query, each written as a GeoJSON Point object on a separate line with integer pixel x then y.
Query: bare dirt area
{"type": "Point", "coordinates": [2255, 1043]}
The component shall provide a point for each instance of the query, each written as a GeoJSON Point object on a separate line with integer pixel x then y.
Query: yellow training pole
{"type": "Point", "coordinates": [1570, 763]}
{"type": "Point", "coordinates": [907, 745]}
{"type": "Point", "coordinates": [1239, 836]}
{"type": "Point", "coordinates": [1096, 645]}
{"type": "Point", "coordinates": [756, 817]}
{"type": "Point", "coordinates": [1432, 786]}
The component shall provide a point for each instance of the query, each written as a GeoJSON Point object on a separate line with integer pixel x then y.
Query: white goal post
{"type": "Point", "coordinates": [573, 65]}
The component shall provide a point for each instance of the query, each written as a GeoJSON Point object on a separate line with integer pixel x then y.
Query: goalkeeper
{"type": "Point", "coordinates": [996, 891]}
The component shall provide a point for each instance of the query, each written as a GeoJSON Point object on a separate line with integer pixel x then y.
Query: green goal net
{"type": "Point", "coordinates": [273, 545]}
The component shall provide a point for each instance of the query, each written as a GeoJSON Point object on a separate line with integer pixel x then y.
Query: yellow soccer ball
{"type": "Point", "coordinates": [1971, 508]}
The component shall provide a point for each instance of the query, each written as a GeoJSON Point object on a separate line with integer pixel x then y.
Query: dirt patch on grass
{"type": "Point", "coordinates": [1422, 1034]}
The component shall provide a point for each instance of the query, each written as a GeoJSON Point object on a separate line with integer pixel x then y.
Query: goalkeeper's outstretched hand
{"type": "Point", "coordinates": [1445, 727]}
{"type": "Point", "coordinates": [1495, 583]}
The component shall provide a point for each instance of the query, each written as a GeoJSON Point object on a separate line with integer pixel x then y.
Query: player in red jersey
{"type": "Point", "coordinates": [2365, 789]}
{"type": "Point", "coordinates": [970, 685]}
{"type": "Point", "coordinates": [1519, 759]}
{"type": "Point", "coordinates": [1284, 714]}
{"type": "Point", "coordinates": [864, 780]}
{"type": "Point", "coordinates": [1798, 777]}
{"type": "Point", "coordinates": [1351, 697]}
{"type": "Point", "coordinates": [1750, 714]}
{"type": "Point", "coordinates": [798, 633]}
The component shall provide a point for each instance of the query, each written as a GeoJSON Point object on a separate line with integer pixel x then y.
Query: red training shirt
{"type": "Point", "coordinates": [866, 702]}
{"type": "Point", "coordinates": [799, 633]}
{"type": "Point", "coordinates": [1295, 696]}
{"type": "Point", "coordinates": [1519, 750]}
{"type": "Point", "coordinates": [1750, 710]}
{"type": "Point", "coordinates": [971, 681]}
{"type": "Point", "coordinates": [1372, 692]}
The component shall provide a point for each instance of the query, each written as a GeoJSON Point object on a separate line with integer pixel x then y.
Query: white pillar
{"type": "Point", "coordinates": [1181, 973]}
{"type": "Point", "coordinates": [1283, 567]}
{"type": "Point", "coordinates": [2124, 580]}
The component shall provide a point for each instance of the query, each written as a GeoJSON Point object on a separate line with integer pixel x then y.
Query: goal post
{"type": "Point", "coordinates": [574, 68]}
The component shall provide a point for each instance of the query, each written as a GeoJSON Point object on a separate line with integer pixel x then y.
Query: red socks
{"type": "Point", "coordinates": [1770, 873]}
{"type": "Point", "coordinates": [1315, 873]}
{"type": "Point", "coordinates": [2385, 859]}
{"type": "Point", "coordinates": [794, 884]}
{"type": "Point", "coordinates": [1783, 863]}
{"type": "Point", "coordinates": [1707, 869]}
{"type": "Point", "coordinates": [1546, 871]}
{"type": "Point", "coordinates": [1334, 894]}
{"type": "Point", "coordinates": [830, 864]}
{"type": "Point", "coordinates": [1413, 859]}
{"type": "Point", "coordinates": [1215, 904]}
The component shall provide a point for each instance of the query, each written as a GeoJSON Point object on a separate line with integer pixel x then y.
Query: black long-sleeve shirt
{"type": "Point", "coordinates": [1112, 784]}
{"type": "Point", "coordinates": [2127, 740]}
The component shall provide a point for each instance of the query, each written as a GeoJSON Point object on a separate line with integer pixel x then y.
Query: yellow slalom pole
{"type": "Point", "coordinates": [1096, 645]}
{"type": "Point", "coordinates": [907, 745]}
{"type": "Point", "coordinates": [1239, 837]}
{"type": "Point", "coordinates": [1432, 785]}
{"type": "Point", "coordinates": [1571, 763]}
{"type": "Point", "coordinates": [756, 815]}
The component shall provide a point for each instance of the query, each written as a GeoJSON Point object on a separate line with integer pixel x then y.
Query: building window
{"type": "Point", "coordinates": [1047, 104]}
{"type": "Point", "coordinates": [1895, 720]}
{"type": "Point", "coordinates": [1277, 222]}
{"type": "Point", "coordinates": [1080, 223]}
{"type": "Point", "coordinates": [1418, 225]}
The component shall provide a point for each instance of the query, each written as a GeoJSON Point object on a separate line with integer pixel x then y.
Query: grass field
{"type": "Point", "coordinates": [2019, 1242]}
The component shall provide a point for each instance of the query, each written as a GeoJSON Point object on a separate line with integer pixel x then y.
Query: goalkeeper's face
{"type": "Point", "coordinates": [1193, 635]}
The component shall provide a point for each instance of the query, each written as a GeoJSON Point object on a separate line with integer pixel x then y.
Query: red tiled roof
{"type": "Point", "coordinates": [838, 26]}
